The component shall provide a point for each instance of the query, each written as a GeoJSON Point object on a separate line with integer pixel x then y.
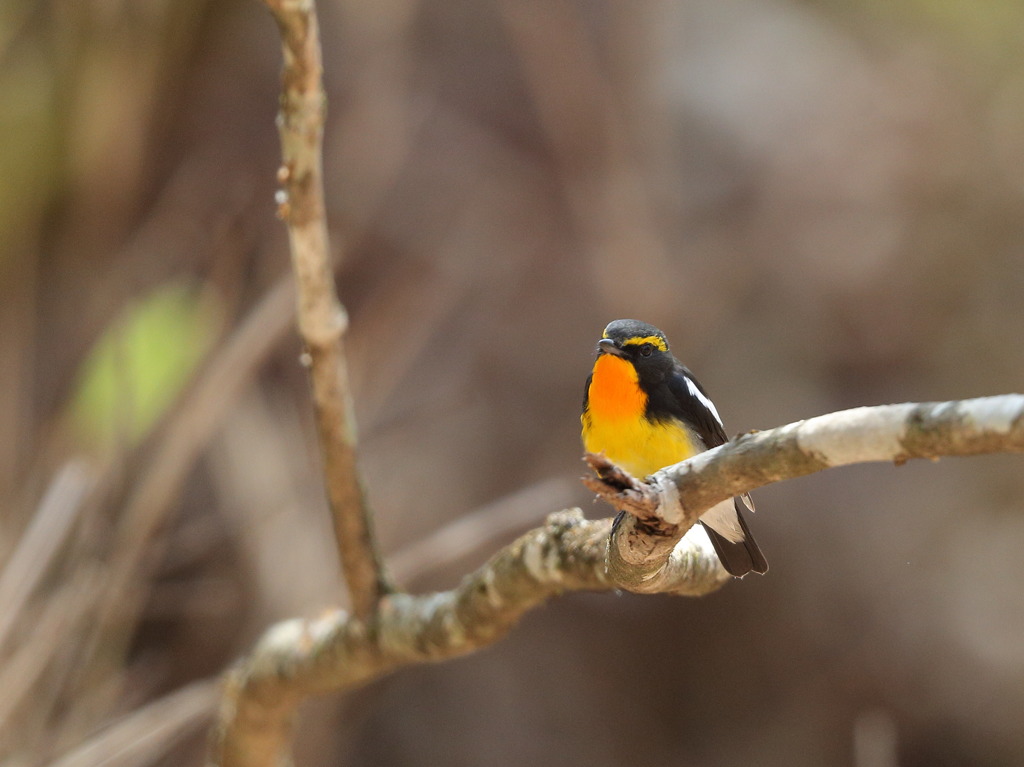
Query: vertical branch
{"type": "Point", "coordinates": [321, 317]}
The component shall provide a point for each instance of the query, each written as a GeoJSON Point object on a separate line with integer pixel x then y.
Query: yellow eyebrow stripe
{"type": "Point", "coordinates": [654, 341]}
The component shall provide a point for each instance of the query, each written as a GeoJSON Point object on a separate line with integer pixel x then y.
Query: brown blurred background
{"type": "Point", "coordinates": [819, 202]}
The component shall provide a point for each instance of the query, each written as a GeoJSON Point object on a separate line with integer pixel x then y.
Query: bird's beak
{"type": "Point", "coordinates": [607, 346]}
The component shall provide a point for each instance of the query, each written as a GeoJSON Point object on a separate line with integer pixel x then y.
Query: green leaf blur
{"type": "Point", "coordinates": [140, 364]}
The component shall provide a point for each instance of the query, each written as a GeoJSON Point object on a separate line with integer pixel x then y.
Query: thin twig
{"type": "Point", "coordinates": [321, 317]}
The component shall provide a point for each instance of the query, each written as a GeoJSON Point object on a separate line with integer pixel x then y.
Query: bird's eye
{"type": "Point", "coordinates": [646, 350]}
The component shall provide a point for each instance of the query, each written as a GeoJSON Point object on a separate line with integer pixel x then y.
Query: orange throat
{"type": "Point", "coordinates": [615, 422]}
{"type": "Point", "coordinates": [615, 393]}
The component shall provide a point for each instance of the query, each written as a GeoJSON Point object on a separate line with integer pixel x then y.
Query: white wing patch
{"type": "Point", "coordinates": [703, 400]}
{"type": "Point", "coordinates": [723, 519]}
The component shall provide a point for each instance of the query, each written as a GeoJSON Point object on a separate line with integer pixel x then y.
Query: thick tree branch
{"type": "Point", "coordinates": [321, 317]}
{"type": "Point", "coordinates": [648, 553]}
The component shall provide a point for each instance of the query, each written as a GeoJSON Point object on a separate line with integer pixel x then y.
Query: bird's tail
{"type": "Point", "coordinates": [742, 556]}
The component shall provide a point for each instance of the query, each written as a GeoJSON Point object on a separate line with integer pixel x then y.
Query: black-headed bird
{"type": "Point", "coordinates": [644, 410]}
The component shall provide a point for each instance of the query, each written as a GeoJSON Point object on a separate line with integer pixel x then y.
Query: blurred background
{"type": "Point", "coordinates": [821, 204]}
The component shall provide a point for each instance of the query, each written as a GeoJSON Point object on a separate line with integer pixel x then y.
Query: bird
{"type": "Point", "coordinates": [645, 410]}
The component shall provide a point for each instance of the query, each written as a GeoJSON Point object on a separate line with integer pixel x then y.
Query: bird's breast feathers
{"type": "Point", "coordinates": [615, 423]}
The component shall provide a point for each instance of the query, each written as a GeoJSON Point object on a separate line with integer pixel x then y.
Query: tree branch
{"type": "Point", "coordinates": [299, 658]}
{"type": "Point", "coordinates": [647, 553]}
{"type": "Point", "coordinates": [321, 317]}
{"type": "Point", "coordinates": [669, 502]}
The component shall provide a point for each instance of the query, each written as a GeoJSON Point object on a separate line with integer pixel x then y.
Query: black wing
{"type": "Point", "coordinates": [699, 412]}
{"type": "Point", "coordinates": [690, 398]}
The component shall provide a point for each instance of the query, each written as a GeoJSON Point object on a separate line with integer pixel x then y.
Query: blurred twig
{"type": "Point", "coordinates": [84, 617]}
{"type": "Point", "coordinates": [59, 617]}
{"type": "Point", "coordinates": [231, 366]}
{"type": "Point", "coordinates": [481, 530]}
{"type": "Point", "coordinates": [143, 736]}
{"type": "Point", "coordinates": [321, 317]}
{"type": "Point", "coordinates": [41, 542]}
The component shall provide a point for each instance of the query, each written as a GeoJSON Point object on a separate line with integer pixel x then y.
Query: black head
{"type": "Point", "coordinates": [642, 344]}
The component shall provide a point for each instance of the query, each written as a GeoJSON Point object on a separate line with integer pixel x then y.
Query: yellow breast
{"type": "Point", "coordinates": [614, 423]}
